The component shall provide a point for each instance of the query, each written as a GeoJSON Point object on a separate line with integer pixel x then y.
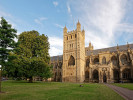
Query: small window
{"type": "Point", "coordinates": [67, 37]}
{"type": "Point", "coordinates": [71, 36]}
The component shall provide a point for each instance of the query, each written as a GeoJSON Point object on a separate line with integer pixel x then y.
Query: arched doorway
{"type": "Point", "coordinates": [126, 74]}
{"type": "Point", "coordinates": [95, 76]}
{"type": "Point", "coordinates": [86, 75]}
{"type": "Point", "coordinates": [116, 75]}
{"type": "Point", "coordinates": [104, 78]}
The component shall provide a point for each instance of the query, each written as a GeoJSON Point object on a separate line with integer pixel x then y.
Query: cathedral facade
{"type": "Point", "coordinates": [84, 64]}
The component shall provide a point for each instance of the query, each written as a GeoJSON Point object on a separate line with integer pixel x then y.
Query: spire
{"type": "Point", "coordinates": [78, 26]}
{"type": "Point", "coordinates": [65, 29]}
{"type": "Point", "coordinates": [117, 47]}
{"type": "Point", "coordinates": [127, 45]}
{"type": "Point", "coordinates": [89, 44]}
{"type": "Point", "coordinates": [83, 30]}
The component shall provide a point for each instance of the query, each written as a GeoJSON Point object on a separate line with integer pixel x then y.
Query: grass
{"type": "Point", "coordinates": [16, 90]}
{"type": "Point", "coordinates": [124, 85]}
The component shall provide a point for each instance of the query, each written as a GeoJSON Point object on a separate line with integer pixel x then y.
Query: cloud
{"type": "Point", "coordinates": [8, 17]}
{"type": "Point", "coordinates": [101, 19]}
{"type": "Point", "coordinates": [55, 3]}
{"type": "Point", "coordinates": [69, 9]}
{"type": "Point", "coordinates": [125, 27]}
{"type": "Point", "coordinates": [40, 20]}
{"type": "Point", "coordinates": [56, 46]}
{"type": "Point", "coordinates": [59, 26]}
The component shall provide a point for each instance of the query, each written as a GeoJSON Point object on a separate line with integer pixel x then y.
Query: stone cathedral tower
{"type": "Point", "coordinates": [73, 55]}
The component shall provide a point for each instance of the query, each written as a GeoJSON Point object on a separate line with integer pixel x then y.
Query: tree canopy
{"type": "Point", "coordinates": [7, 36]}
{"type": "Point", "coordinates": [31, 57]}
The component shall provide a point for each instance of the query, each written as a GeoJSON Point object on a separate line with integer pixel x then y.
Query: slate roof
{"type": "Point", "coordinates": [111, 49]}
{"type": "Point", "coordinates": [95, 52]}
{"type": "Point", "coordinates": [55, 58]}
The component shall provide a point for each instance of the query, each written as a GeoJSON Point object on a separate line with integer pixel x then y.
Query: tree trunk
{"type": "Point", "coordinates": [30, 80]}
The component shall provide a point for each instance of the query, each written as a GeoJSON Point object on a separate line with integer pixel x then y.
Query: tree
{"type": "Point", "coordinates": [7, 43]}
{"type": "Point", "coordinates": [31, 57]}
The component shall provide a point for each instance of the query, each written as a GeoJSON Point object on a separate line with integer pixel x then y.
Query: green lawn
{"type": "Point", "coordinates": [56, 91]}
{"type": "Point", "coordinates": [125, 85]}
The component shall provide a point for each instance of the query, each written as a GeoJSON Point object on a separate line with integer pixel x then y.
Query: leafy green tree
{"type": "Point", "coordinates": [31, 58]}
{"type": "Point", "coordinates": [7, 43]}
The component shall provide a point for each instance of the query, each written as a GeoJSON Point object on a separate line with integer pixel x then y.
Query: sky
{"type": "Point", "coordinates": [106, 22]}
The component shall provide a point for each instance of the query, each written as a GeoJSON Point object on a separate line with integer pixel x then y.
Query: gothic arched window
{"type": "Point", "coordinates": [71, 61]}
{"type": "Point", "coordinates": [124, 59]}
{"type": "Point", "coordinates": [104, 60]}
{"type": "Point", "coordinates": [114, 60]}
{"type": "Point", "coordinates": [75, 35]}
{"type": "Point", "coordinates": [96, 61]}
{"type": "Point", "coordinates": [87, 62]}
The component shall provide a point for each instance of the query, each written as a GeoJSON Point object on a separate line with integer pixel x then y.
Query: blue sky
{"type": "Point", "coordinates": [106, 22]}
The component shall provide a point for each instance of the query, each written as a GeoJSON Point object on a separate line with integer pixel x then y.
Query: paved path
{"type": "Point", "coordinates": [125, 93]}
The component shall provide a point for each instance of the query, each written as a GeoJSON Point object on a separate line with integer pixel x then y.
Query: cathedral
{"type": "Point", "coordinates": [84, 64]}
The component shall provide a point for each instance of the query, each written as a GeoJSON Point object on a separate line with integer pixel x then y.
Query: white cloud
{"type": "Point", "coordinates": [56, 46]}
{"type": "Point", "coordinates": [101, 19]}
{"type": "Point", "coordinates": [59, 26]}
{"type": "Point", "coordinates": [40, 20]}
{"type": "Point", "coordinates": [69, 9]}
{"type": "Point", "coordinates": [55, 3]}
{"type": "Point", "coordinates": [125, 27]}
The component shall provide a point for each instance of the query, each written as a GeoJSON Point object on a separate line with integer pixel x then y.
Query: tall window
{"type": "Point", "coordinates": [75, 35]}
{"type": "Point", "coordinates": [87, 62]}
{"type": "Point", "coordinates": [124, 59]}
{"type": "Point", "coordinates": [71, 61]}
{"type": "Point", "coordinates": [114, 60]}
{"type": "Point", "coordinates": [96, 61]}
{"type": "Point", "coordinates": [104, 60]}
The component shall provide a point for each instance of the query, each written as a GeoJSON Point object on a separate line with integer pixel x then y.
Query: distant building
{"type": "Point", "coordinates": [84, 64]}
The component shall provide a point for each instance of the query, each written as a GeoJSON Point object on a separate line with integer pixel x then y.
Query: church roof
{"type": "Point", "coordinates": [56, 58]}
{"type": "Point", "coordinates": [110, 49]}
{"type": "Point", "coordinates": [95, 52]}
